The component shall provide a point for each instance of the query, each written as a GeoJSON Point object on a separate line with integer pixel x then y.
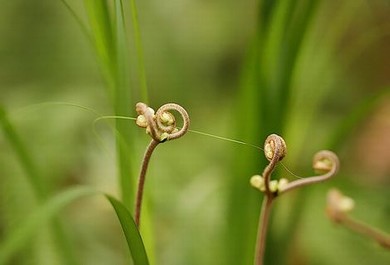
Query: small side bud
{"type": "Point", "coordinates": [282, 184]}
{"type": "Point", "coordinates": [140, 108]}
{"type": "Point", "coordinates": [151, 111]}
{"type": "Point", "coordinates": [273, 185]}
{"type": "Point", "coordinates": [346, 204]}
{"type": "Point", "coordinates": [257, 182]}
{"type": "Point", "coordinates": [167, 118]}
{"type": "Point", "coordinates": [164, 136]}
{"type": "Point", "coordinates": [141, 121]}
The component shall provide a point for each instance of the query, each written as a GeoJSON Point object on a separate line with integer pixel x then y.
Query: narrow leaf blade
{"type": "Point", "coordinates": [133, 237]}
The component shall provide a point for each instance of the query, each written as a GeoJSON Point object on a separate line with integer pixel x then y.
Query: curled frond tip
{"type": "Point", "coordinates": [161, 125]}
{"type": "Point", "coordinates": [275, 147]}
{"type": "Point", "coordinates": [326, 162]}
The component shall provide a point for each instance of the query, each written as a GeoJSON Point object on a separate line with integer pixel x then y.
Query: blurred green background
{"type": "Point", "coordinates": [315, 72]}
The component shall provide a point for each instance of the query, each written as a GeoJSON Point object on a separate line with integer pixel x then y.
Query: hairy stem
{"type": "Point", "coordinates": [141, 182]}
{"type": "Point", "coordinates": [262, 230]}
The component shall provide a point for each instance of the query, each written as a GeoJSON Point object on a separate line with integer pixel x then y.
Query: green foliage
{"type": "Point", "coordinates": [243, 70]}
{"type": "Point", "coordinates": [22, 235]}
{"type": "Point", "coordinates": [27, 229]}
{"type": "Point", "coordinates": [111, 47]}
{"type": "Point", "coordinates": [133, 238]}
{"type": "Point", "coordinates": [25, 158]}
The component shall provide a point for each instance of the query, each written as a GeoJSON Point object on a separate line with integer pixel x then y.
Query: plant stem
{"type": "Point", "coordinates": [141, 182]}
{"type": "Point", "coordinates": [364, 229]}
{"type": "Point", "coordinates": [262, 230]}
{"type": "Point", "coordinates": [275, 150]}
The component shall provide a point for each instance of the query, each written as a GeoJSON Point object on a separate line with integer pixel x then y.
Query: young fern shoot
{"type": "Point", "coordinates": [161, 126]}
{"type": "Point", "coordinates": [325, 162]}
{"type": "Point", "coordinates": [337, 208]}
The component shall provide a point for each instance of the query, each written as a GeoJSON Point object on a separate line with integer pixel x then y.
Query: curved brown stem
{"type": "Point", "coordinates": [325, 161]}
{"type": "Point", "coordinates": [267, 176]}
{"type": "Point", "coordinates": [141, 182]}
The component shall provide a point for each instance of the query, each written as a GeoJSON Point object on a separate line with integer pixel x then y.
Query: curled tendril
{"type": "Point", "coordinates": [162, 125]}
{"type": "Point", "coordinates": [275, 150]}
{"type": "Point", "coordinates": [168, 125]}
{"type": "Point", "coordinates": [325, 162]}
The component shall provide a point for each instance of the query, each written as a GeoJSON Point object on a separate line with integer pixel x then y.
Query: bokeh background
{"type": "Point", "coordinates": [315, 72]}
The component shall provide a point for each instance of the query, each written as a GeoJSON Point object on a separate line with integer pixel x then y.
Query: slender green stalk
{"type": "Point", "coordinates": [103, 37]}
{"type": "Point", "coordinates": [140, 52]}
{"type": "Point", "coordinates": [78, 20]}
{"type": "Point", "coordinates": [122, 103]}
{"type": "Point", "coordinates": [111, 47]}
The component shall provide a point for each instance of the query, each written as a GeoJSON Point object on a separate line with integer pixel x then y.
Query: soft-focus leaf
{"type": "Point", "coordinates": [24, 156]}
{"type": "Point", "coordinates": [17, 239]}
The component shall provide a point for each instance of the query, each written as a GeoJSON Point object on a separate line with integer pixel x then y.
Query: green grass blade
{"type": "Point", "coordinates": [240, 239]}
{"type": "Point", "coordinates": [78, 20]}
{"type": "Point", "coordinates": [140, 52]}
{"type": "Point", "coordinates": [103, 38]}
{"type": "Point", "coordinates": [133, 237]}
{"type": "Point", "coordinates": [111, 46]}
{"type": "Point", "coordinates": [37, 183]}
{"type": "Point", "coordinates": [263, 98]}
{"type": "Point", "coordinates": [123, 106]}
{"type": "Point", "coordinates": [16, 240]}
{"type": "Point", "coordinates": [25, 158]}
